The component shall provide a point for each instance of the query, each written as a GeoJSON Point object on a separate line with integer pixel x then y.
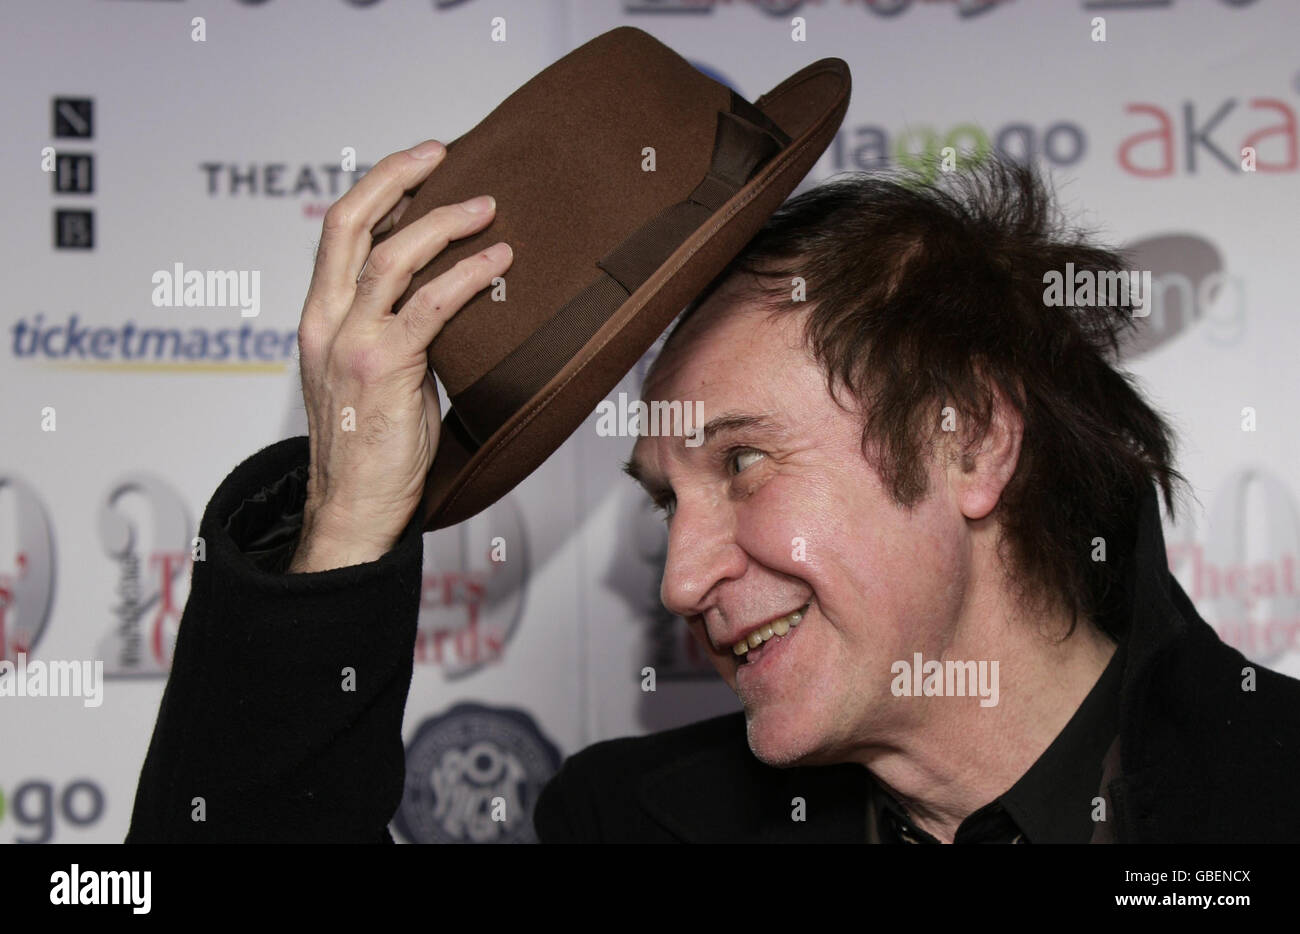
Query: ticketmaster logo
{"type": "Point", "coordinates": [129, 345]}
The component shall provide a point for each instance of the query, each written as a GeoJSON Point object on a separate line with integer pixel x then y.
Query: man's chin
{"type": "Point", "coordinates": [779, 740]}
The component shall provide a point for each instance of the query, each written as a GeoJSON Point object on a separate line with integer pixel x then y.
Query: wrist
{"type": "Point", "coordinates": [323, 547]}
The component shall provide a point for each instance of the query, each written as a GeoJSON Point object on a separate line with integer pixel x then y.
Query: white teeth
{"type": "Point", "coordinates": [778, 627]}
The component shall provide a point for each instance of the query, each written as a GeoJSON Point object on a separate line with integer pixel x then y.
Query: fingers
{"type": "Point", "coordinates": [420, 320]}
{"type": "Point", "coordinates": [391, 218]}
{"type": "Point", "coordinates": [346, 231]}
{"type": "Point", "coordinates": [394, 262]}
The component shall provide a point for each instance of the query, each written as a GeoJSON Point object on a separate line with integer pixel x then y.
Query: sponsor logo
{"type": "Point", "coordinates": [26, 568]}
{"type": "Point", "coordinates": [473, 775]}
{"type": "Point", "coordinates": [151, 554]}
{"type": "Point", "coordinates": [883, 8]}
{"type": "Point", "coordinates": [135, 347]}
{"type": "Point", "coordinates": [1242, 574]}
{"type": "Point", "coordinates": [919, 148]}
{"type": "Point", "coordinates": [315, 186]}
{"type": "Point", "coordinates": [1258, 135]}
{"type": "Point", "coordinates": [36, 807]}
{"type": "Point", "coordinates": [1188, 285]}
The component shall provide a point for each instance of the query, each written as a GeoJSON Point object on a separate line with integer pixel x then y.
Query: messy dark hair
{"type": "Point", "coordinates": [919, 296]}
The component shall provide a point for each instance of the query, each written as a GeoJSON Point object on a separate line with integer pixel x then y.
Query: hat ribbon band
{"type": "Point", "coordinates": [745, 140]}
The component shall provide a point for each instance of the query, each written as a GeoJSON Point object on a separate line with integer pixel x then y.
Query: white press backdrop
{"type": "Point", "coordinates": [224, 153]}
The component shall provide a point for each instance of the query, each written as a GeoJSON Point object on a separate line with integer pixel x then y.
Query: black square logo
{"type": "Point", "coordinates": [74, 173]}
{"type": "Point", "coordinates": [74, 230]}
{"type": "Point", "coordinates": [74, 117]}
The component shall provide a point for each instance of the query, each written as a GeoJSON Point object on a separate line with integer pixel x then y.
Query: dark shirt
{"type": "Point", "coordinates": [1053, 801]}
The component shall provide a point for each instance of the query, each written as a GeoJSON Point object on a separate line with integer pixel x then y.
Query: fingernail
{"type": "Point", "coordinates": [426, 150]}
{"type": "Point", "coordinates": [499, 251]}
{"type": "Point", "coordinates": [480, 205]}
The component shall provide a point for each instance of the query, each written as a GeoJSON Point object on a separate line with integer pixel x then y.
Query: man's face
{"type": "Point", "coordinates": [767, 520]}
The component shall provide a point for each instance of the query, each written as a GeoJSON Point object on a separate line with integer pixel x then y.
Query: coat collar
{"type": "Point", "coordinates": [724, 793]}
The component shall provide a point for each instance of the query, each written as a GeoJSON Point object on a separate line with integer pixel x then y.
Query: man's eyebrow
{"type": "Point", "coordinates": [724, 424]}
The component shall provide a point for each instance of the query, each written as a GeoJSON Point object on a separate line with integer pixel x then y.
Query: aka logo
{"type": "Point", "coordinates": [141, 641]}
{"type": "Point", "coordinates": [472, 597]}
{"type": "Point", "coordinates": [473, 775]}
{"type": "Point", "coordinates": [26, 568]}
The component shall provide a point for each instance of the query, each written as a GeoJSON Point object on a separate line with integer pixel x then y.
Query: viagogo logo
{"type": "Point", "coordinates": [34, 810]}
{"type": "Point", "coordinates": [924, 149]}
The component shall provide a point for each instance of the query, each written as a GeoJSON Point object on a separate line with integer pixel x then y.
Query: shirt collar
{"type": "Point", "coordinates": [1053, 801]}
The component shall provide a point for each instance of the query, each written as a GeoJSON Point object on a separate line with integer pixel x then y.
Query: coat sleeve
{"type": "Point", "coordinates": [281, 719]}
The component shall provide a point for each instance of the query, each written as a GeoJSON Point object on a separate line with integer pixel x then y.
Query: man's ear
{"type": "Point", "coordinates": [978, 476]}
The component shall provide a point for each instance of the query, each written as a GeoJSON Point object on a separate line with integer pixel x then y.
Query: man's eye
{"type": "Point", "coordinates": [663, 508]}
{"type": "Point", "coordinates": [735, 454]}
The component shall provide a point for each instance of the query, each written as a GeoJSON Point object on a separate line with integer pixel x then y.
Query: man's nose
{"type": "Point", "coordinates": [702, 551]}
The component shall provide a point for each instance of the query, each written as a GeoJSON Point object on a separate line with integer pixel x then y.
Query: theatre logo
{"type": "Point", "coordinates": [313, 186]}
{"type": "Point", "coordinates": [473, 775]}
{"type": "Point", "coordinates": [474, 581]}
{"type": "Point", "coordinates": [26, 567]}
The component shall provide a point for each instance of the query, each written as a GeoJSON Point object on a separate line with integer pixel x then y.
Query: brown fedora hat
{"type": "Point", "coordinates": [606, 252]}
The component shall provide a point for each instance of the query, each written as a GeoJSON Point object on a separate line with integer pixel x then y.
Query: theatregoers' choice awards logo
{"type": "Point", "coordinates": [473, 775]}
{"type": "Point", "coordinates": [1247, 586]}
{"type": "Point", "coordinates": [143, 635]}
{"type": "Point", "coordinates": [472, 595]}
{"type": "Point", "coordinates": [26, 568]}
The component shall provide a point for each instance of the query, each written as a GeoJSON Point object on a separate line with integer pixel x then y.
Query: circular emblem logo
{"type": "Point", "coordinates": [473, 775]}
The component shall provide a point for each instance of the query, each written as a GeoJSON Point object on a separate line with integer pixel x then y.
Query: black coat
{"type": "Point", "coordinates": [253, 720]}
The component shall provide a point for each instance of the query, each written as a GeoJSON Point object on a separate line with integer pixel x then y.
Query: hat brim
{"type": "Point", "coordinates": [466, 477]}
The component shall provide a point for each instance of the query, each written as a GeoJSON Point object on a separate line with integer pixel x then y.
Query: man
{"type": "Point", "coordinates": [921, 543]}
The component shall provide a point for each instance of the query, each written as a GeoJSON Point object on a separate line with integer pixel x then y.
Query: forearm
{"type": "Point", "coordinates": [282, 716]}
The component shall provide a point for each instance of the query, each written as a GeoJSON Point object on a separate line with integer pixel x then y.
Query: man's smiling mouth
{"type": "Point", "coordinates": [775, 629]}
